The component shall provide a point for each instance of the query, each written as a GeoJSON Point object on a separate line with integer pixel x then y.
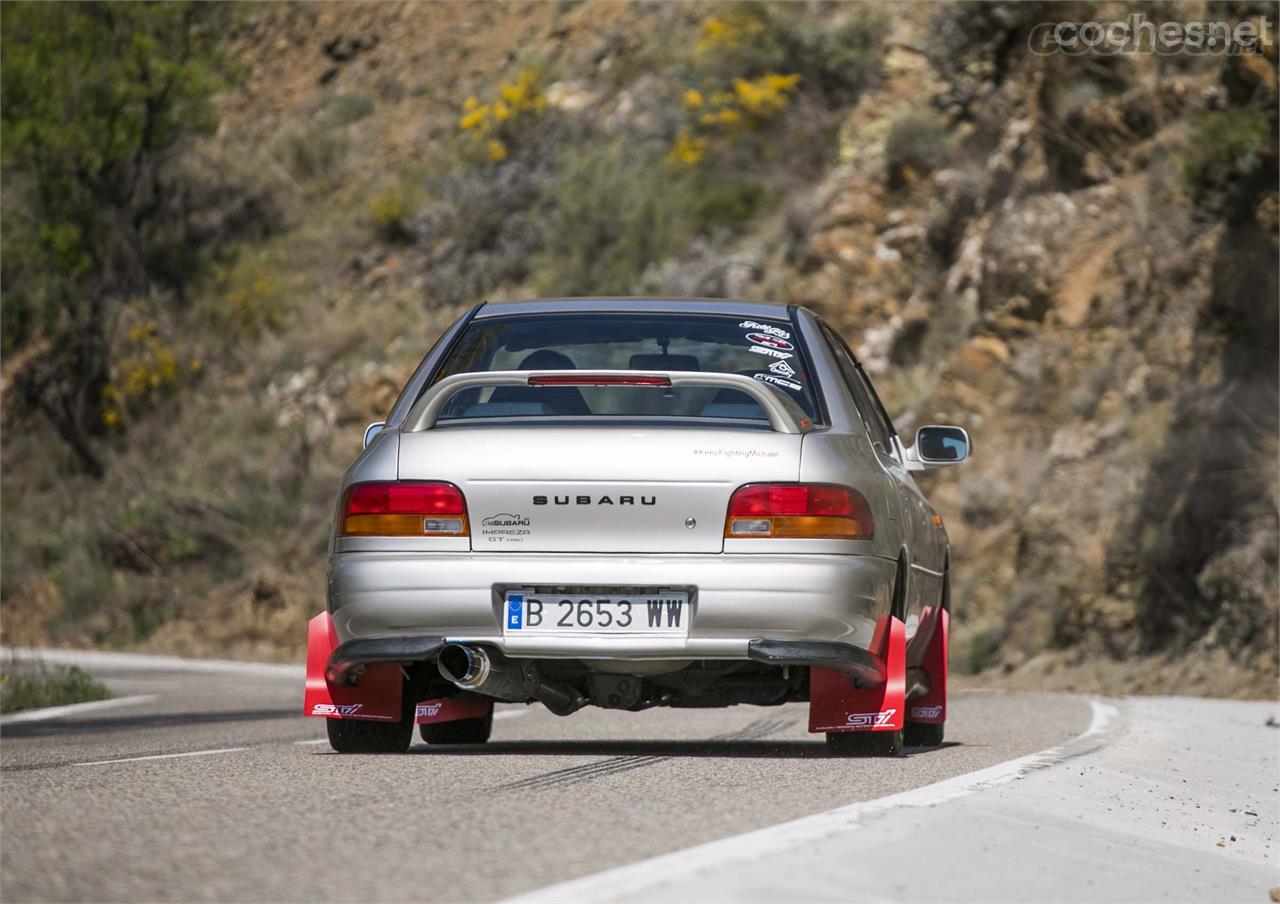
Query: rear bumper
{"type": "Point", "coordinates": [734, 599]}
{"type": "Point", "coordinates": [343, 666]}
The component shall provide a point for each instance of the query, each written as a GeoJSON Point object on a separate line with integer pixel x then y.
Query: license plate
{"type": "Point", "coordinates": [595, 613]}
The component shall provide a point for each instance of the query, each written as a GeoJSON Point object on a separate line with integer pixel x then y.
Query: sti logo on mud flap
{"type": "Point", "coordinates": [330, 709]}
{"type": "Point", "coordinates": [871, 720]}
{"type": "Point", "coordinates": [769, 341]}
{"type": "Point", "coordinates": [426, 710]}
{"type": "Point", "coordinates": [926, 712]}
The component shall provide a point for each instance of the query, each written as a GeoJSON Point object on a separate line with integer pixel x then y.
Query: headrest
{"type": "Point", "coordinates": [546, 359]}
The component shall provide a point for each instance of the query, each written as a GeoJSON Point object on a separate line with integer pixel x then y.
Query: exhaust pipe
{"type": "Point", "coordinates": [917, 683]}
{"type": "Point", "coordinates": [515, 681]}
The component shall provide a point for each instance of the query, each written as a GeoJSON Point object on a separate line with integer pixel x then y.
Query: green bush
{"type": "Point", "coordinates": [344, 109]}
{"type": "Point", "coordinates": [98, 101]}
{"type": "Point", "coordinates": [391, 213]}
{"type": "Point", "coordinates": [916, 145]}
{"type": "Point", "coordinates": [979, 651]}
{"type": "Point", "coordinates": [251, 298]}
{"type": "Point", "coordinates": [1225, 145]}
{"type": "Point", "coordinates": [615, 210]}
{"type": "Point", "coordinates": [312, 157]}
{"type": "Point", "coordinates": [70, 684]}
{"type": "Point", "coordinates": [486, 223]}
{"type": "Point", "coordinates": [847, 60]}
{"type": "Point", "coordinates": [725, 205]}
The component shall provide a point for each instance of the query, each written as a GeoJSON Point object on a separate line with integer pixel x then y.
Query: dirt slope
{"type": "Point", "coordinates": [1052, 251]}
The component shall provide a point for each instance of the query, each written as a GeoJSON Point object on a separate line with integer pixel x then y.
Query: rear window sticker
{"type": "Point", "coordinates": [778, 381]}
{"type": "Point", "coordinates": [770, 341]}
{"type": "Point", "coordinates": [771, 352]}
{"type": "Point", "coordinates": [765, 328]}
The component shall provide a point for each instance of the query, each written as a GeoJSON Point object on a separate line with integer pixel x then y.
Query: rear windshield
{"type": "Point", "coordinates": [763, 349]}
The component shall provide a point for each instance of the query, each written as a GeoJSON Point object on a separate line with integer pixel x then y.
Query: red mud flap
{"type": "Point", "coordinates": [931, 709]}
{"type": "Point", "coordinates": [835, 704]}
{"type": "Point", "coordinates": [429, 712]}
{"type": "Point", "coordinates": [378, 696]}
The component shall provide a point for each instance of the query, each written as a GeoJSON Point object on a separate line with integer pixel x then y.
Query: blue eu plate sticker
{"type": "Point", "coordinates": [515, 612]}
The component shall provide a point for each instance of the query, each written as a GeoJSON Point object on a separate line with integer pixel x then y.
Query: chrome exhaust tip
{"type": "Point", "coordinates": [494, 675]}
{"type": "Point", "coordinates": [467, 667]}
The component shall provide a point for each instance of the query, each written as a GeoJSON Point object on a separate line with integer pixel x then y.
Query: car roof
{"type": "Point", "coordinates": [731, 307]}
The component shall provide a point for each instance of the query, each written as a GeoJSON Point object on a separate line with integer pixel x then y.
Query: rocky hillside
{"type": "Point", "coordinates": [1073, 256]}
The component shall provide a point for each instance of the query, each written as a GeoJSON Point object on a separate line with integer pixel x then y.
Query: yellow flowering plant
{"type": "Point", "coordinates": [717, 115]}
{"type": "Point", "coordinates": [495, 124]}
{"type": "Point", "coordinates": [149, 370]}
{"type": "Point", "coordinates": [729, 32]}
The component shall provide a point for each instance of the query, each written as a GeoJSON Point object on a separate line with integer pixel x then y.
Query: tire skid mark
{"type": "Point", "coordinates": [754, 731]}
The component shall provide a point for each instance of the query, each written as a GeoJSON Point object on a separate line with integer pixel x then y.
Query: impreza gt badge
{"type": "Point", "coordinates": [505, 527]}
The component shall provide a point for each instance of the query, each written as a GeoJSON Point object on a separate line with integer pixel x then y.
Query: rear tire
{"type": "Point", "coordinates": [865, 743]}
{"type": "Point", "coordinates": [361, 736]}
{"type": "Point", "coordinates": [920, 734]}
{"type": "Point", "coordinates": [460, 731]}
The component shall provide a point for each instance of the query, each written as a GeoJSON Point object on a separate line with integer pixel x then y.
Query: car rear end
{"type": "Point", "coordinates": [605, 506]}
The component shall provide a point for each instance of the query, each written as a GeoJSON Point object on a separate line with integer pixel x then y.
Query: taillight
{"type": "Point", "coordinates": [405, 509]}
{"type": "Point", "coordinates": [799, 511]}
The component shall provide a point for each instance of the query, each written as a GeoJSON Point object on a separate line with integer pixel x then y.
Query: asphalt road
{"type": "Point", "coordinates": [96, 806]}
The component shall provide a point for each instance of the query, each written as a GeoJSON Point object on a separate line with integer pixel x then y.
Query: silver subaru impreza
{"type": "Point", "coordinates": [630, 503]}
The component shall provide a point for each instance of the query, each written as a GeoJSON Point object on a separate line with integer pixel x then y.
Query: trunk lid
{"type": "Point", "coordinates": [608, 489]}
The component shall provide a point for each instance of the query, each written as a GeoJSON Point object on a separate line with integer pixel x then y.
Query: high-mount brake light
{"type": "Point", "coordinates": [810, 511]}
{"type": "Point", "coordinates": [603, 380]}
{"type": "Point", "coordinates": [404, 509]}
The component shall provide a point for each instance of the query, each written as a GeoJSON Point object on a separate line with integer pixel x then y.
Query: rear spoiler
{"type": "Point", "coordinates": [784, 415]}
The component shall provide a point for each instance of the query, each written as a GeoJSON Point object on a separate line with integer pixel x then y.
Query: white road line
{"type": "Point", "coordinates": [99, 659]}
{"type": "Point", "coordinates": [316, 741]}
{"type": "Point", "coordinates": [162, 756]}
{"type": "Point", "coordinates": [73, 709]}
{"type": "Point", "coordinates": [645, 875]}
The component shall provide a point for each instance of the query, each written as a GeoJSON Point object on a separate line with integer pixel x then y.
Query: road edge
{"type": "Point", "coordinates": [657, 871]}
{"type": "Point", "coordinates": [104, 659]}
{"type": "Point", "coordinates": [74, 709]}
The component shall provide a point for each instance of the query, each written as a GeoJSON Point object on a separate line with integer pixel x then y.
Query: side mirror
{"type": "Point", "coordinates": [937, 447]}
{"type": "Point", "coordinates": [371, 432]}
